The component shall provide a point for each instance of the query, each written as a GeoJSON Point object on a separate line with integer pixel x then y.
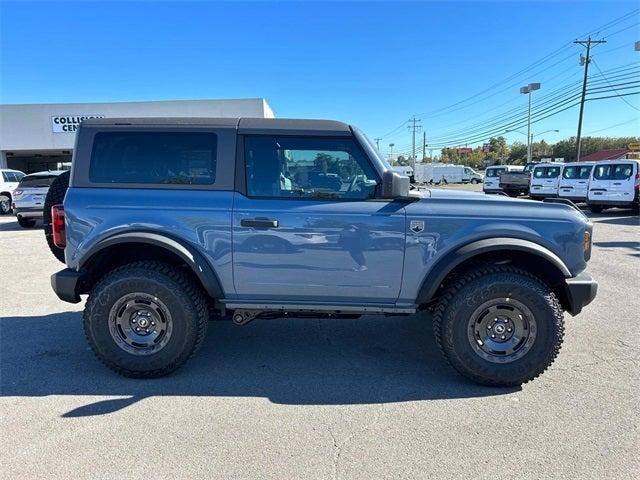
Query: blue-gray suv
{"type": "Point", "coordinates": [168, 222]}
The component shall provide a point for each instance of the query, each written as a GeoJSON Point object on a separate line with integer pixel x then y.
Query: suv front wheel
{"type": "Point", "coordinates": [145, 319]}
{"type": "Point", "coordinates": [499, 326]}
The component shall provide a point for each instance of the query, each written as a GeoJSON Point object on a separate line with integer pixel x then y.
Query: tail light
{"type": "Point", "coordinates": [57, 226]}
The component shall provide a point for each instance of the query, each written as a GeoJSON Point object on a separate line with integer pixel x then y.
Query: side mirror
{"type": "Point", "coordinates": [394, 185]}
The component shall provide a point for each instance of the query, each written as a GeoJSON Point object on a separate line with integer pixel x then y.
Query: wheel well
{"type": "Point", "coordinates": [114, 256]}
{"type": "Point", "coordinates": [536, 265]}
{"type": "Point", "coordinates": [7, 194]}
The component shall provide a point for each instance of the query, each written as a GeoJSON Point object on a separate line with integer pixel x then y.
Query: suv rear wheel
{"type": "Point", "coordinates": [55, 196]}
{"type": "Point", "coordinates": [145, 319]}
{"type": "Point", "coordinates": [499, 326]}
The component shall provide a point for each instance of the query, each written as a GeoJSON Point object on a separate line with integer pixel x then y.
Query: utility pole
{"type": "Point", "coordinates": [584, 61]}
{"type": "Point", "coordinates": [413, 127]}
{"type": "Point", "coordinates": [391, 153]}
{"type": "Point", "coordinates": [424, 145]}
{"type": "Point", "coordinates": [377, 140]}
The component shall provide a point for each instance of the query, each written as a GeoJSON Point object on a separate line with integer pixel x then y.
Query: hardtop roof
{"type": "Point", "coordinates": [243, 124]}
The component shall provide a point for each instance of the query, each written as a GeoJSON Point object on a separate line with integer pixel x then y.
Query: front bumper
{"type": "Point", "coordinates": [581, 290]}
{"type": "Point", "coordinates": [65, 283]}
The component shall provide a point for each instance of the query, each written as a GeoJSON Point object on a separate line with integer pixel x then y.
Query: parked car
{"type": "Point", "coordinates": [29, 196]}
{"type": "Point", "coordinates": [545, 178]}
{"type": "Point", "coordinates": [491, 183]}
{"type": "Point", "coordinates": [614, 183]}
{"type": "Point", "coordinates": [9, 180]}
{"type": "Point", "coordinates": [574, 181]}
{"type": "Point", "coordinates": [158, 213]}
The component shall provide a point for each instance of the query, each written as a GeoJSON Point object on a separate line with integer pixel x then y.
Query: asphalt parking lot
{"type": "Point", "coordinates": [367, 398]}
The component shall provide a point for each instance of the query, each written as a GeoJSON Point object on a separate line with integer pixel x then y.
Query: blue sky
{"type": "Point", "coordinates": [373, 64]}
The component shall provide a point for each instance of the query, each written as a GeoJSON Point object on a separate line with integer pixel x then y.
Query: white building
{"type": "Point", "coordinates": [36, 137]}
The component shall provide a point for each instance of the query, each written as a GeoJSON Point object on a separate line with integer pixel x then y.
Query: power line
{"type": "Point", "coordinates": [621, 98]}
{"type": "Point", "coordinates": [535, 64]}
{"type": "Point", "coordinates": [633, 120]}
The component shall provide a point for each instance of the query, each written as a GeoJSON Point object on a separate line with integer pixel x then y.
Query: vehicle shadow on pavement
{"type": "Point", "coordinates": [289, 361]}
{"type": "Point", "coordinates": [14, 227]}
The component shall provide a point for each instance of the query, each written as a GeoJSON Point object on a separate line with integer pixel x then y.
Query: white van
{"type": "Point", "coordinates": [574, 181]}
{"type": "Point", "coordinates": [403, 170]}
{"type": "Point", "coordinates": [544, 180]}
{"type": "Point", "coordinates": [471, 176]}
{"type": "Point", "coordinates": [614, 183]}
{"type": "Point", "coordinates": [491, 182]}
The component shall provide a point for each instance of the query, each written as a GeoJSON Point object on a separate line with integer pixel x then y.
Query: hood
{"type": "Point", "coordinates": [490, 205]}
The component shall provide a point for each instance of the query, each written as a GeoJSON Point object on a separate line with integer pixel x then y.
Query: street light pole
{"type": "Point", "coordinates": [528, 89]}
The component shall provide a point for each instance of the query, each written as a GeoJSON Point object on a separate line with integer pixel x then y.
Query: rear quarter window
{"type": "Point", "coordinates": [162, 158]}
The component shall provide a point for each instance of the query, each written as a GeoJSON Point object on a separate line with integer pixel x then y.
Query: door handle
{"type": "Point", "coordinates": [259, 223]}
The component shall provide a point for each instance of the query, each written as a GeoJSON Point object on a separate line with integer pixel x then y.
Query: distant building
{"type": "Point", "coordinates": [37, 137]}
{"type": "Point", "coordinates": [612, 154]}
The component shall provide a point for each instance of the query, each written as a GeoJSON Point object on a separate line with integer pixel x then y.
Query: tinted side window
{"type": "Point", "coordinates": [178, 158]}
{"type": "Point", "coordinates": [305, 167]}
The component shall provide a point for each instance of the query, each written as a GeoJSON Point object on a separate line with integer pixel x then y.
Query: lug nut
{"type": "Point", "coordinates": [502, 337]}
{"type": "Point", "coordinates": [137, 329]}
{"type": "Point", "coordinates": [493, 336]}
{"type": "Point", "coordinates": [489, 327]}
{"type": "Point", "coordinates": [509, 329]}
{"type": "Point", "coordinates": [134, 320]}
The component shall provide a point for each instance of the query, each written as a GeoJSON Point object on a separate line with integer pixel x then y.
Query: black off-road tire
{"type": "Point", "coordinates": [26, 222]}
{"type": "Point", "coordinates": [184, 299]}
{"type": "Point", "coordinates": [55, 196]}
{"type": "Point", "coordinates": [452, 320]}
{"type": "Point", "coordinates": [595, 208]}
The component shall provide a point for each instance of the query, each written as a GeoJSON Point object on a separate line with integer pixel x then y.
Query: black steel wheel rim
{"type": "Point", "coordinates": [140, 323]}
{"type": "Point", "coordinates": [502, 330]}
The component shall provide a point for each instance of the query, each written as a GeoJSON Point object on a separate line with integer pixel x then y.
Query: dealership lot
{"type": "Point", "coordinates": [367, 398]}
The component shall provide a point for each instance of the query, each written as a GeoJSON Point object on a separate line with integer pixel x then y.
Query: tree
{"type": "Point", "coordinates": [517, 153]}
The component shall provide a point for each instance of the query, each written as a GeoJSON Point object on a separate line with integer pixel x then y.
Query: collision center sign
{"type": "Point", "coordinates": [69, 123]}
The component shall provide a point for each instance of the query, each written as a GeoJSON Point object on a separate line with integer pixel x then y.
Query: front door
{"type": "Point", "coordinates": [309, 227]}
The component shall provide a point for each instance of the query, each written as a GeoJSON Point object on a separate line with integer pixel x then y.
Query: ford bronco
{"type": "Point", "coordinates": [167, 222]}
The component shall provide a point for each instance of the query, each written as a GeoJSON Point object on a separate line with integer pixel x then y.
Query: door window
{"type": "Point", "coordinates": [305, 167]}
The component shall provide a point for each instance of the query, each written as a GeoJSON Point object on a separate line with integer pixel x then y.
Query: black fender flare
{"type": "Point", "coordinates": [451, 260]}
{"type": "Point", "coordinates": [194, 259]}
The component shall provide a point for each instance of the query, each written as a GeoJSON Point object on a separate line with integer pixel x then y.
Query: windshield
{"type": "Point", "coordinates": [371, 148]}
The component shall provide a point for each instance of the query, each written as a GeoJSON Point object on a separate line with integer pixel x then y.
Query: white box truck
{"type": "Point", "coordinates": [438, 173]}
